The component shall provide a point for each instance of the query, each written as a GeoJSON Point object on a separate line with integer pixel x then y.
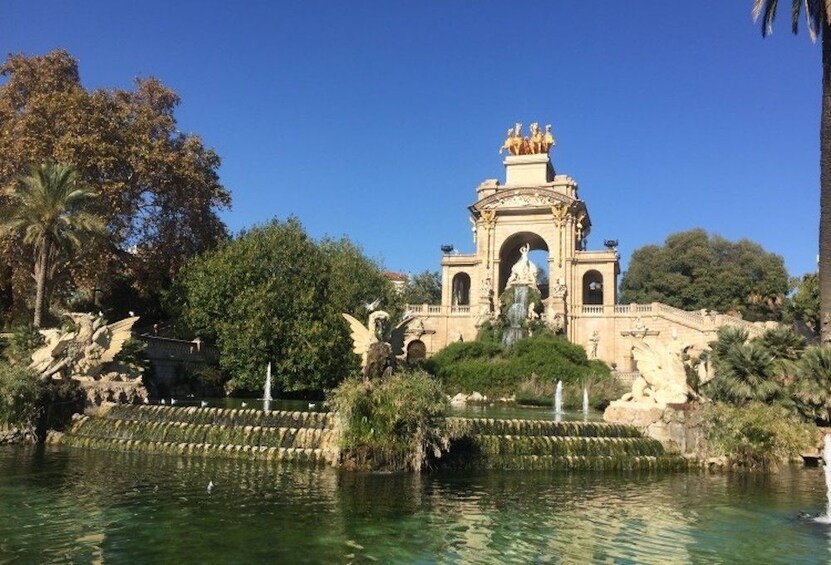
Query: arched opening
{"type": "Point", "coordinates": [416, 352]}
{"type": "Point", "coordinates": [593, 288]}
{"type": "Point", "coordinates": [509, 254]}
{"type": "Point", "coordinates": [461, 290]}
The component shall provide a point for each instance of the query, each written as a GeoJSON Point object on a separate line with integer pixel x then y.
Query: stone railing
{"type": "Point", "coordinates": [428, 308]}
{"type": "Point", "coordinates": [460, 309]}
{"type": "Point", "coordinates": [592, 309]}
{"type": "Point", "coordinates": [698, 320]}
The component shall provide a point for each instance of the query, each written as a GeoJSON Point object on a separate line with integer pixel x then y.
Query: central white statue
{"type": "Point", "coordinates": [524, 272]}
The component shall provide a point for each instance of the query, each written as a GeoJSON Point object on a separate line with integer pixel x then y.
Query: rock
{"type": "Point", "coordinates": [459, 399]}
{"type": "Point", "coordinates": [476, 397]}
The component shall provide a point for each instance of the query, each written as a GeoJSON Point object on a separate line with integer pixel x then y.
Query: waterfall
{"type": "Point", "coordinates": [516, 314]}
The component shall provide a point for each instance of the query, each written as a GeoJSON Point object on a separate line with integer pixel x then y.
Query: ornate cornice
{"type": "Point", "coordinates": [522, 197]}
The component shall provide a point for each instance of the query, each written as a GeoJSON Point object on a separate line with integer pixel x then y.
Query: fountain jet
{"type": "Point", "coordinates": [558, 401]}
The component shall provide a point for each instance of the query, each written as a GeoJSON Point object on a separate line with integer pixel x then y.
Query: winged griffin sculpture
{"type": "Point", "coordinates": [378, 343]}
{"type": "Point", "coordinates": [84, 351]}
{"type": "Point", "coordinates": [663, 377]}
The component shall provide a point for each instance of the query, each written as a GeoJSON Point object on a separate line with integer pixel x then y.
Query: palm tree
{"type": "Point", "coordinates": [48, 206]}
{"type": "Point", "coordinates": [818, 16]}
{"type": "Point", "coordinates": [812, 389]}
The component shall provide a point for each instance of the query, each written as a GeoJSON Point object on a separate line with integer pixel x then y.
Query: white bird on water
{"type": "Point", "coordinates": [210, 486]}
{"type": "Point", "coordinates": [161, 401]}
{"type": "Point", "coordinates": [173, 401]}
{"type": "Point", "coordinates": [244, 404]}
{"type": "Point", "coordinates": [203, 404]}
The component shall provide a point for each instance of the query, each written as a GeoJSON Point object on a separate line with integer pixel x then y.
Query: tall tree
{"type": "Point", "coordinates": [50, 208]}
{"type": "Point", "coordinates": [694, 270]}
{"type": "Point", "coordinates": [357, 280]}
{"type": "Point", "coordinates": [158, 187]}
{"type": "Point", "coordinates": [818, 16]}
{"type": "Point", "coordinates": [266, 297]}
{"type": "Point", "coordinates": [423, 288]}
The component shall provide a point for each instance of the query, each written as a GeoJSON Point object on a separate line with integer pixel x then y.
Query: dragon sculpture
{"type": "Point", "coordinates": [84, 351]}
{"type": "Point", "coordinates": [378, 343]}
{"type": "Point", "coordinates": [663, 376]}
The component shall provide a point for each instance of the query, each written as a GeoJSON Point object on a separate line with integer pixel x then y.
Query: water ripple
{"type": "Point", "coordinates": [60, 505]}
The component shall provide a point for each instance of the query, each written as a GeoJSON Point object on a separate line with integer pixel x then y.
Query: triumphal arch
{"type": "Point", "coordinates": [539, 209]}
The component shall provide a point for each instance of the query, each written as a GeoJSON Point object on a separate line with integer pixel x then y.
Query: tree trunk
{"type": "Point", "coordinates": [40, 279]}
{"type": "Point", "coordinates": [825, 190]}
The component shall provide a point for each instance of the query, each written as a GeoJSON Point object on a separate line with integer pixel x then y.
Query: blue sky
{"type": "Point", "coordinates": [377, 120]}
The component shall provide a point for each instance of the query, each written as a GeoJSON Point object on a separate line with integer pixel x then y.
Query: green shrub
{"type": "Point", "coordinates": [756, 436]}
{"type": "Point", "coordinates": [485, 367]}
{"type": "Point", "coordinates": [21, 392]}
{"type": "Point", "coordinates": [17, 349]}
{"type": "Point", "coordinates": [392, 423]}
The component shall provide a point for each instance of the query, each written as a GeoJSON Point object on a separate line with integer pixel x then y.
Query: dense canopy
{"type": "Point", "coordinates": [158, 188]}
{"type": "Point", "coordinates": [275, 295]}
{"type": "Point", "coordinates": [694, 270]}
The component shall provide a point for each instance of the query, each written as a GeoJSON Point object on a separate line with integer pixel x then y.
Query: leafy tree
{"type": "Point", "coordinates": [424, 288]}
{"type": "Point", "coordinates": [267, 296]}
{"type": "Point", "coordinates": [803, 305]}
{"type": "Point", "coordinates": [357, 280]}
{"type": "Point", "coordinates": [818, 17]}
{"type": "Point", "coordinates": [157, 187]}
{"type": "Point", "coordinates": [693, 270]}
{"type": "Point", "coordinates": [50, 207]}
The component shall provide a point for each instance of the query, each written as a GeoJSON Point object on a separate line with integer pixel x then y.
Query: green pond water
{"type": "Point", "coordinates": [83, 506]}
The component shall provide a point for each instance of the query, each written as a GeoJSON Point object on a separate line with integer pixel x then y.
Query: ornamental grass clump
{"type": "Point", "coordinates": [394, 423]}
{"type": "Point", "coordinates": [756, 436]}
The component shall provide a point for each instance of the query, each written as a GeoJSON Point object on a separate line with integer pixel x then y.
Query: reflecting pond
{"type": "Point", "coordinates": [65, 505]}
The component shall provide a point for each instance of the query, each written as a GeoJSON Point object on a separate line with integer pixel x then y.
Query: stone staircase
{"type": "Point", "coordinates": [305, 437]}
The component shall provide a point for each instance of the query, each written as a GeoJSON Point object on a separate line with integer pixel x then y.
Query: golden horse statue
{"type": "Point", "coordinates": [537, 143]}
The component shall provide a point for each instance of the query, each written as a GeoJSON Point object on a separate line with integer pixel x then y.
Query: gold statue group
{"type": "Point", "coordinates": [537, 142]}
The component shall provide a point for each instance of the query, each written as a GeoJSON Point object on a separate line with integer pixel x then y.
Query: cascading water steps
{"type": "Point", "coordinates": [485, 443]}
{"type": "Point", "coordinates": [309, 437]}
{"type": "Point", "coordinates": [305, 437]}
